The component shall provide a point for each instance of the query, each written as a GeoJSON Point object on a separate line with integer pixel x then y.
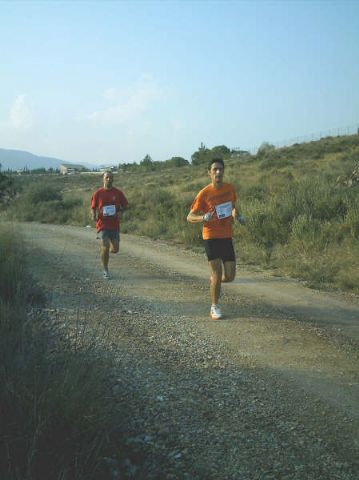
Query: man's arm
{"type": "Point", "coordinates": [237, 215]}
{"type": "Point", "coordinates": [120, 210]}
{"type": "Point", "coordinates": [235, 210]}
{"type": "Point", "coordinates": [199, 218]}
{"type": "Point", "coordinates": [94, 207]}
{"type": "Point", "coordinates": [194, 217]}
{"type": "Point", "coordinates": [199, 205]}
{"type": "Point", "coordinates": [122, 204]}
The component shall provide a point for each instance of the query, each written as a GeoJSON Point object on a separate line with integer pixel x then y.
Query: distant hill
{"type": "Point", "coordinates": [19, 159]}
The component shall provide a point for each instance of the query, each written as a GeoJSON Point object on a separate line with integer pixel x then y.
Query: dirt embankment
{"type": "Point", "coordinates": [271, 392]}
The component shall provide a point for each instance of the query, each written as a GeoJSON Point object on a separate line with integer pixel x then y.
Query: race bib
{"type": "Point", "coordinates": [224, 210]}
{"type": "Point", "coordinates": [109, 210]}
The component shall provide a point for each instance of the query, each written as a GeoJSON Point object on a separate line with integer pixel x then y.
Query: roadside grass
{"type": "Point", "coordinates": [297, 212]}
{"type": "Point", "coordinates": [46, 203]}
{"type": "Point", "coordinates": [58, 416]}
{"type": "Point", "coordinates": [309, 231]}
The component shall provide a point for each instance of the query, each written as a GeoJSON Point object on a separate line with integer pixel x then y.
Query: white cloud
{"type": "Point", "coordinates": [20, 116]}
{"type": "Point", "coordinates": [126, 103]}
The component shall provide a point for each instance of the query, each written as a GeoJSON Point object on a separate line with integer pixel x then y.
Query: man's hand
{"type": "Point", "coordinates": [207, 216]}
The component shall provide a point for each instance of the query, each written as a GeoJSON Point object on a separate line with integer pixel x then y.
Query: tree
{"type": "Point", "coordinates": [205, 155]}
{"type": "Point", "coordinates": [220, 151]}
{"type": "Point", "coordinates": [147, 162]}
{"type": "Point", "coordinates": [7, 190]}
{"type": "Point", "coordinates": [178, 162]}
{"type": "Point", "coordinates": [265, 148]}
{"type": "Point", "coordinates": [201, 155]}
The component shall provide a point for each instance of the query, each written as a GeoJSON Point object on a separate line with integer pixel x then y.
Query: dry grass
{"type": "Point", "coordinates": [55, 401]}
{"type": "Point", "coordinates": [290, 197]}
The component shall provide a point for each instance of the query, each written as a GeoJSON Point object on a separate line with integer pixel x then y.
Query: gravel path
{"type": "Point", "coordinates": [269, 393]}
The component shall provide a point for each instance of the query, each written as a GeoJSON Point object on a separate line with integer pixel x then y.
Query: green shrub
{"type": "Point", "coordinates": [310, 235]}
{"type": "Point", "coordinates": [351, 219]}
{"type": "Point", "coordinates": [257, 192]}
{"type": "Point", "coordinates": [7, 188]}
{"type": "Point", "coordinates": [43, 193]}
{"type": "Point", "coordinates": [273, 160]}
{"type": "Point", "coordinates": [11, 265]}
{"type": "Point", "coordinates": [265, 225]}
{"type": "Point", "coordinates": [47, 204]}
{"type": "Point", "coordinates": [314, 197]}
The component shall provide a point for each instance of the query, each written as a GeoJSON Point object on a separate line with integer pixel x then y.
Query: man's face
{"type": "Point", "coordinates": [107, 180]}
{"type": "Point", "coordinates": [216, 173]}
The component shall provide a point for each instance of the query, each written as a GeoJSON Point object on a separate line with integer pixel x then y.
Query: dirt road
{"type": "Point", "coordinates": [270, 392]}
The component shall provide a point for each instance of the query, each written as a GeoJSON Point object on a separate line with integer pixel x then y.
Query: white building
{"type": "Point", "coordinates": [71, 168]}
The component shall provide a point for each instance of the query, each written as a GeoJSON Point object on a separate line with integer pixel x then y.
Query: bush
{"type": "Point", "coordinates": [46, 204]}
{"type": "Point", "coordinates": [309, 235]}
{"type": "Point", "coordinates": [314, 197]}
{"type": "Point", "coordinates": [43, 193]}
{"type": "Point", "coordinates": [7, 189]}
{"type": "Point", "coordinates": [265, 149]}
{"type": "Point", "coordinates": [351, 220]}
{"type": "Point", "coordinates": [265, 226]}
{"type": "Point", "coordinates": [11, 266]}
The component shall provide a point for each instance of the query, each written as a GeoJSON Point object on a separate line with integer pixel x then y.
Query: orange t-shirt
{"type": "Point", "coordinates": [220, 201]}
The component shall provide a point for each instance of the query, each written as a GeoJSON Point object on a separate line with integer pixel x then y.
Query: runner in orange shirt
{"type": "Point", "coordinates": [215, 206]}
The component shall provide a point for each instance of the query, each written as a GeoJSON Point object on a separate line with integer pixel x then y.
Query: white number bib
{"type": "Point", "coordinates": [109, 210]}
{"type": "Point", "coordinates": [224, 210]}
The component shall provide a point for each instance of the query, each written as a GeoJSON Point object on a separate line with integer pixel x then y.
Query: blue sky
{"type": "Point", "coordinates": [109, 82]}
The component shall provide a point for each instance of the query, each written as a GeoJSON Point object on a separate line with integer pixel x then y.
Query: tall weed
{"type": "Point", "coordinates": [47, 204]}
{"type": "Point", "coordinates": [352, 221]}
{"type": "Point", "coordinates": [314, 197]}
{"type": "Point", "coordinates": [11, 265]}
{"type": "Point", "coordinates": [309, 235]}
{"type": "Point", "coordinates": [55, 404]}
{"type": "Point", "coordinates": [265, 225]}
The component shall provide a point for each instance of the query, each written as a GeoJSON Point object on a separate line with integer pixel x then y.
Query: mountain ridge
{"type": "Point", "coordinates": [11, 159]}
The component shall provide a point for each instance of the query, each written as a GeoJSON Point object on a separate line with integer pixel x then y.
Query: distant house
{"type": "Point", "coordinates": [239, 153]}
{"type": "Point", "coordinates": [71, 168]}
{"type": "Point", "coordinates": [112, 168]}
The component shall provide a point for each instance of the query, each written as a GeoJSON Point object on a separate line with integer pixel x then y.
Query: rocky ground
{"type": "Point", "coordinates": [270, 392]}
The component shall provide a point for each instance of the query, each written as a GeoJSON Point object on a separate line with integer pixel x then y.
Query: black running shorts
{"type": "Point", "coordinates": [110, 234]}
{"type": "Point", "coordinates": [220, 248]}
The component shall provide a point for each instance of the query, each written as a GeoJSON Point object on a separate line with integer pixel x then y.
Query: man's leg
{"type": "Point", "coordinates": [216, 279]}
{"type": "Point", "coordinates": [229, 271]}
{"type": "Point", "coordinates": [114, 246]}
{"type": "Point", "coordinates": [105, 253]}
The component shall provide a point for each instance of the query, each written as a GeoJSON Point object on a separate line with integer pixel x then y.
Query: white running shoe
{"type": "Point", "coordinates": [106, 275]}
{"type": "Point", "coordinates": [215, 313]}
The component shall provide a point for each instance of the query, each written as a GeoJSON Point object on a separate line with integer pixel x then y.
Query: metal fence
{"type": "Point", "coordinates": [333, 132]}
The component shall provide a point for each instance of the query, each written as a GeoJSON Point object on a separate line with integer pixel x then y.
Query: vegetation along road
{"type": "Point", "coordinates": [270, 392]}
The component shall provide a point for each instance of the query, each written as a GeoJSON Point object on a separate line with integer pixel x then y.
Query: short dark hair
{"type": "Point", "coordinates": [216, 160]}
